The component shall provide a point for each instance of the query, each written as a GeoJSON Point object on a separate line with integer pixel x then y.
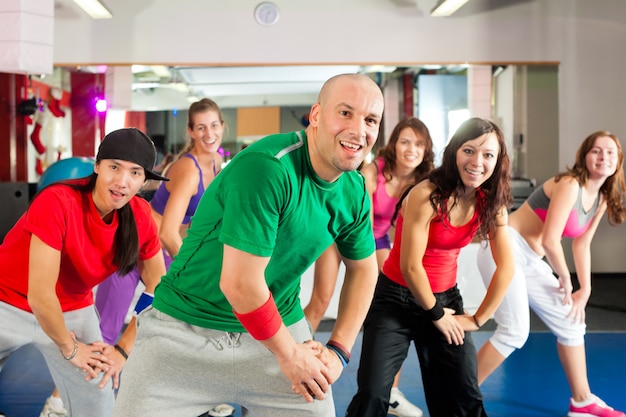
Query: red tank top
{"type": "Point", "coordinates": [440, 258]}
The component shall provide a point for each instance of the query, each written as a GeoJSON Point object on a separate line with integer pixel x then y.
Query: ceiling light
{"type": "Point", "coordinates": [445, 7]}
{"type": "Point", "coordinates": [94, 8]}
{"type": "Point", "coordinates": [139, 68]}
{"type": "Point", "coordinates": [146, 85]}
{"type": "Point", "coordinates": [161, 70]}
{"type": "Point", "coordinates": [377, 68]}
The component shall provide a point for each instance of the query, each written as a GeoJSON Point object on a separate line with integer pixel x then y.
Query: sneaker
{"type": "Point", "coordinates": [400, 406]}
{"type": "Point", "coordinates": [49, 411]}
{"type": "Point", "coordinates": [593, 407]}
{"type": "Point", "coordinates": [222, 410]}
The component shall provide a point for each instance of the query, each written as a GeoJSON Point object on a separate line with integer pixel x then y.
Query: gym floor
{"type": "Point", "coordinates": [529, 384]}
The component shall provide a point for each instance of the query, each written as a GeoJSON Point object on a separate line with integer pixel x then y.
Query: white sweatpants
{"type": "Point", "coordinates": [533, 285]}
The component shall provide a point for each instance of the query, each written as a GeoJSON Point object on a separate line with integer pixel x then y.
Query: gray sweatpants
{"type": "Point", "coordinates": [81, 398]}
{"type": "Point", "coordinates": [177, 369]}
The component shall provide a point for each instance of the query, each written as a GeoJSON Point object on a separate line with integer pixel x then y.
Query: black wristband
{"type": "Point", "coordinates": [476, 321]}
{"type": "Point", "coordinates": [339, 350]}
{"type": "Point", "coordinates": [342, 358]}
{"type": "Point", "coordinates": [436, 312]}
{"type": "Point", "coordinates": [121, 351]}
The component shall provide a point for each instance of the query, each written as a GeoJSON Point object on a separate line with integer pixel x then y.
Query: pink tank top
{"type": "Point", "coordinates": [384, 205]}
{"type": "Point", "coordinates": [440, 258]}
{"type": "Point", "coordinates": [578, 220]}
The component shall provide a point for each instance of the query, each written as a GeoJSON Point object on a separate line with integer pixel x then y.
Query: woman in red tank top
{"type": "Point", "coordinates": [417, 299]}
{"type": "Point", "coordinates": [406, 159]}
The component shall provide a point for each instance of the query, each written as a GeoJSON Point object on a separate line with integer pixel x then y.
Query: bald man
{"type": "Point", "coordinates": [226, 324]}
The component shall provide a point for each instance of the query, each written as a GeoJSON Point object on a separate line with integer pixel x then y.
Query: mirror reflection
{"type": "Point", "coordinates": [259, 100]}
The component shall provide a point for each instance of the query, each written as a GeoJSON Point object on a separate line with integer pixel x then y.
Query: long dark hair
{"type": "Point", "coordinates": [446, 178]}
{"type": "Point", "coordinates": [613, 188]}
{"type": "Point", "coordinates": [126, 238]}
{"type": "Point", "coordinates": [388, 152]}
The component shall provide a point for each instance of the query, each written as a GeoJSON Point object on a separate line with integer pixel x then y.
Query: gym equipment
{"type": "Point", "coordinates": [65, 169]}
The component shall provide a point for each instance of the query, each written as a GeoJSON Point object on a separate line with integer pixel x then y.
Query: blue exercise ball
{"type": "Point", "coordinates": [65, 169]}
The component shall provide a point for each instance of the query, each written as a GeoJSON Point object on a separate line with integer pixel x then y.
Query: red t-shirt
{"type": "Point", "coordinates": [67, 220]}
{"type": "Point", "coordinates": [442, 251]}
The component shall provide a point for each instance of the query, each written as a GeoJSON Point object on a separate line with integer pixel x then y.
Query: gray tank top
{"type": "Point", "coordinates": [578, 220]}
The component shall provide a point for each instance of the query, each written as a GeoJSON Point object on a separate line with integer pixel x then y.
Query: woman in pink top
{"type": "Point", "coordinates": [571, 205]}
{"type": "Point", "coordinates": [406, 159]}
{"type": "Point", "coordinates": [416, 298]}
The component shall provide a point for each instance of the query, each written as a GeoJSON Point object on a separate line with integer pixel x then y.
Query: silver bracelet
{"type": "Point", "coordinates": [74, 352]}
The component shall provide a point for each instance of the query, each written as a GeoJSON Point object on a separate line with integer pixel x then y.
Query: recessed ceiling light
{"type": "Point", "coordinates": [447, 7]}
{"type": "Point", "coordinates": [94, 8]}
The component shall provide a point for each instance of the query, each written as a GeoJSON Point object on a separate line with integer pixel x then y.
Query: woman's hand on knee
{"type": "Point", "coordinates": [565, 285]}
{"type": "Point", "coordinates": [450, 327]}
{"type": "Point", "coordinates": [579, 302]}
{"type": "Point", "coordinates": [91, 360]}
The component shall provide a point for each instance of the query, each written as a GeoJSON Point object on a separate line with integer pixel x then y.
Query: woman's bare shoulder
{"type": "Point", "coordinates": [566, 183]}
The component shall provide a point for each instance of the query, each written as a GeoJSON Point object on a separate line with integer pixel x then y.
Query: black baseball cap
{"type": "Point", "coordinates": [130, 144]}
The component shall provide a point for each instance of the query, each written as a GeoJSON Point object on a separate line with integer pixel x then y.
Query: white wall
{"type": "Point", "coordinates": [585, 37]}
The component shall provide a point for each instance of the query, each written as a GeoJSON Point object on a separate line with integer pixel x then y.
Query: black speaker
{"type": "Point", "coordinates": [28, 107]}
{"type": "Point", "coordinates": [14, 198]}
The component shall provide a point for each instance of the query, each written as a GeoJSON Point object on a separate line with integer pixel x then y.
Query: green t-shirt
{"type": "Point", "coordinates": [269, 202]}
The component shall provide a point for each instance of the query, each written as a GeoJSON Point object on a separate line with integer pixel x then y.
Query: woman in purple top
{"type": "Point", "coordinates": [175, 201]}
{"type": "Point", "coordinates": [571, 205]}
{"type": "Point", "coordinates": [405, 160]}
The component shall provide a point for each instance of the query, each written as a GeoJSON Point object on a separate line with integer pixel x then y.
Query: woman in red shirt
{"type": "Point", "coordinates": [75, 234]}
{"type": "Point", "coordinates": [417, 298]}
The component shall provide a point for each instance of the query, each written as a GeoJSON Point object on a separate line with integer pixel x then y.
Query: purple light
{"type": "Point", "coordinates": [101, 105]}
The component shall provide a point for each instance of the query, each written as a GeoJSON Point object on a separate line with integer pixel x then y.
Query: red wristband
{"type": "Point", "coordinates": [263, 322]}
{"type": "Point", "coordinates": [339, 346]}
